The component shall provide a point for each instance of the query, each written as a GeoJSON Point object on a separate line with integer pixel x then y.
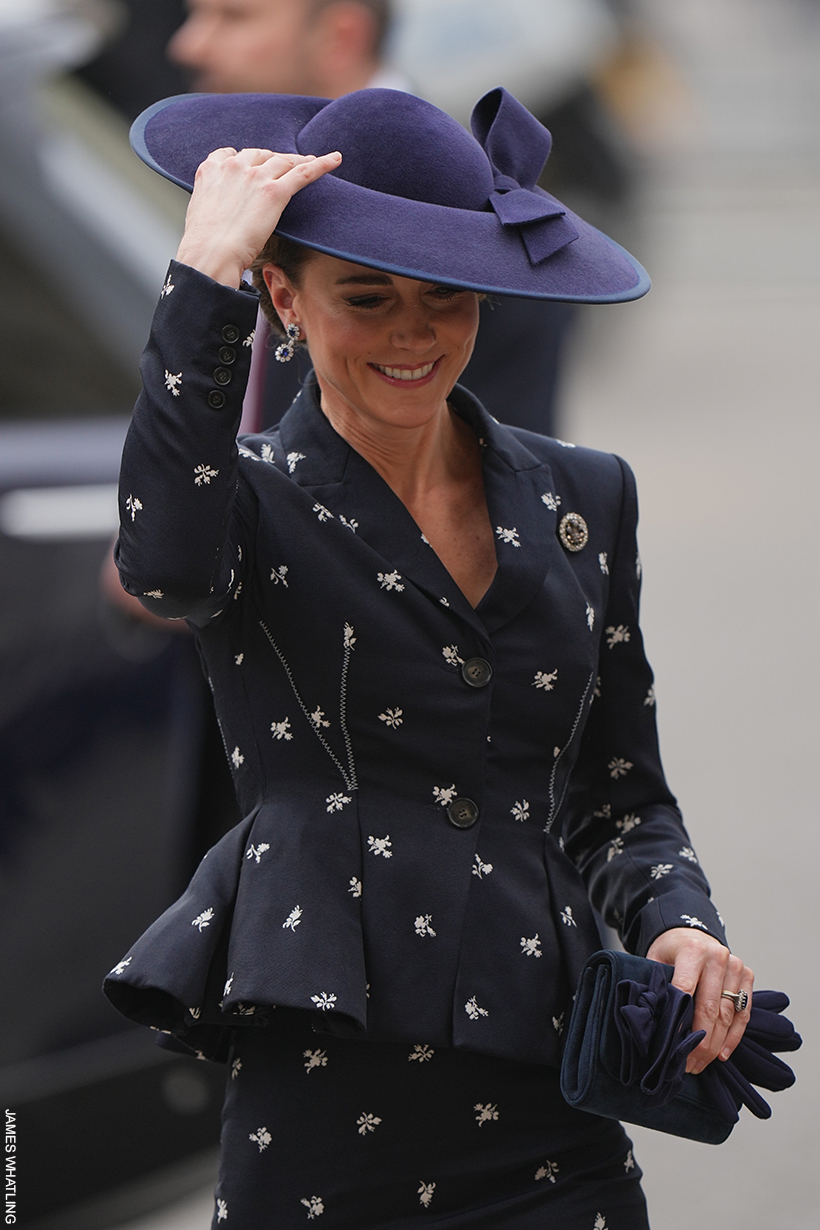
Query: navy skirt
{"type": "Point", "coordinates": [388, 1136]}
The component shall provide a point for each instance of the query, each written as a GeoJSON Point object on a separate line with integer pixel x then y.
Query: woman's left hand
{"type": "Point", "coordinates": [705, 968]}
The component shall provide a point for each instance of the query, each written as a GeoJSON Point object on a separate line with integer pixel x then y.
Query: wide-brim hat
{"type": "Point", "coordinates": [415, 193]}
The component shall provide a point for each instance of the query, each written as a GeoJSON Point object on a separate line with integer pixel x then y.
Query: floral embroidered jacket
{"type": "Point", "coordinates": [432, 795]}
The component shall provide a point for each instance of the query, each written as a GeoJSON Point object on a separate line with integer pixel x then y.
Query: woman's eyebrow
{"type": "Point", "coordinates": [366, 279]}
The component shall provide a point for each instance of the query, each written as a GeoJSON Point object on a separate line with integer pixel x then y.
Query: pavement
{"type": "Point", "coordinates": [708, 387]}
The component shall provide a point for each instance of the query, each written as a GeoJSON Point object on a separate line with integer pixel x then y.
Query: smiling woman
{"type": "Point", "coordinates": [405, 611]}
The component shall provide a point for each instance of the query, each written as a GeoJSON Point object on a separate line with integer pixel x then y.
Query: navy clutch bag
{"type": "Point", "coordinates": [628, 1039]}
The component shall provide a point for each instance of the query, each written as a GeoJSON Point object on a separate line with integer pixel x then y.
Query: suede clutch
{"type": "Point", "coordinates": [628, 1039]}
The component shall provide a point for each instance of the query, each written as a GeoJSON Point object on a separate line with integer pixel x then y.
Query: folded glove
{"type": "Point", "coordinates": [628, 1040]}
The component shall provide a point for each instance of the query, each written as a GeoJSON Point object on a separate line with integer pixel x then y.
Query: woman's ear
{"type": "Point", "coordinates": [281, 291]}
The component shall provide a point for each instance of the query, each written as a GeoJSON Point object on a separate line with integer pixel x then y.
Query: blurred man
{"type": "Point", "coordinates": [327, 48]}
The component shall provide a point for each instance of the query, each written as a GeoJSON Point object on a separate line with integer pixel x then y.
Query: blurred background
{"type": "Point", "coordinates": [690, 131]}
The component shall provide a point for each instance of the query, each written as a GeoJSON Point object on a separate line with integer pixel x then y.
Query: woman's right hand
{"type": "Point", "coordinates": [237, 201]}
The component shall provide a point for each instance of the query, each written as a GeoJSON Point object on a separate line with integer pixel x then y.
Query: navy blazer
{"type": "Point", "coordinates": [432, 795]}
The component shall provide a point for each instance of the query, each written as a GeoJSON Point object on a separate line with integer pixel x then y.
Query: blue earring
{"type": "Point", "coordinates": [284, 353]}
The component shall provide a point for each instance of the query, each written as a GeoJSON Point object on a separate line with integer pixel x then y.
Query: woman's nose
{"type": "Point", "coordinates": [415, 331]}
{"type": "Point", "coordinates": [191, 40]}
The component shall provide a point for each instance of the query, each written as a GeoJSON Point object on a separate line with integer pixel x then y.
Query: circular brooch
{"type": "Point", "coordinates": [573, 531]}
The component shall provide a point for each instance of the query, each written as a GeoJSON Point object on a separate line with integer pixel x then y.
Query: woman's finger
{"type": "Point", "coordinates": [740, 1020]}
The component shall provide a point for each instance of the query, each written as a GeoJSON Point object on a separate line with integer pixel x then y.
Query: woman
{"type": "Point", "coordinates": [421, 632]}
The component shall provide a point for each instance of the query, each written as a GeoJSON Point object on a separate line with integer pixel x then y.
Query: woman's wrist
{"type": "Point", "coordinates": [211, 260]}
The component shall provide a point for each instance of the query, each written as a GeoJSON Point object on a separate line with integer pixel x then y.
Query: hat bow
{"type": "Point", "coordinates": [517, 147]}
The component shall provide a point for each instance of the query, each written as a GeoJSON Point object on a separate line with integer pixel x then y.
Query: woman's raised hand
{"type": "Point", "coordinates": [237, 201]}
{"type": "Point", "coordinates": [705, 969]}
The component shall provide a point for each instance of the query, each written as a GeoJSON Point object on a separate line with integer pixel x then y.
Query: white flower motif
{"type": "Point", "coordinates": [261, 1137]}
{"type": "Point", "coordinates": [551, 501]}
{"type": "Point", "coordinates": [390, 581]}
{"type": "Point", "coordinates": [237, 758]}
{"type": "Point", "coordinates": [281, 730]}
{"type": "Point", "coordinates": [629, 1163]}
{"type": "Point", "coordinates": [266, 454]}
{"type": "Point", "coordinates": [239, 659]}
{"type": "Point", "coordinates": [616, 847]}
{"type": "Point", "coordinates": [392, 717]}
{"type": "Point", "coordinates": [481, 869]}
{"type": "Point", "coordinates": [424, 925]}
{"type": "Point", "coordinates": [350, 639]}
{"type": "Point", "coordinates": [355, 886]}
{"type": "Point", "coordinates": [474, 1010]}
{"type": "Point", "coordinates": [660, 870]}
{"type": "Point", "coordinates": [605, 813]}
{"type": "Point", "coordinates": [691, 921]}
{"type": "Point", "coordinates": [531, 948]}
{"type": "Point", "coordinates": [238, 589]}
{"type": "Point", "coordinates": [226, 990]}
{"type": "Point", "coordinates": [425, 540]}
{"type": "Point", "coordinates": [486, 1113]}
{"type": "Point", "coordinates": [257, 851]}
{"type": "Point", "coordinates": [133, 505]}
{"type": "Point", "coordinates": [279, 575]}
{"type": "Point", "coordinates": [451, 655]}
{"type": "Point", "coordinates": [324, 514]}
{"type": "Point", "coordinates": [425, 1193]}
{"type": "Point", "coordinates": [548, 1171]}
{"type": "Point", "coordinates": [335, 802]}
{"type": "Point", "coordinates": [120, 967]}
{"type": "Point", "coordinates": [318, 718]}
{"type": "Point", "coordinates": [600, 1222]}
{"type": "Point", "coordinates": [167, 288]}
{"type": "Point", "coordinates": [520, 811]}
{"type": "Point", "coordinates": [203, 920]}
{"type": "Point", "coordinates": [444, 794]}
{"type": "Point", "coordinates": [558, 1024]}
{"type": "Point", "coordinates": [367, 1123]}
{"type": "Point", "coordinates": [203, 474]}
{"type": "Point", "coordinates": [421, 1054]}
{"type": "Point", "coordinates": [628, 823]}
{"type": "Point", "coordinates": [236, 1068]}
{"type": "Point", "coordinates": [293, 919]}
{"type": "Point", "coordinates": [617, 636]}
{"type": "Point", "coordinates": [314, 1206]}
{"type": "Point", "coordinates": [172, 383]}
{"type": "Point", "coordinates": [195, 1013]}
{"type": "Point", "coordinates": [597, 691]}
{"type": "Point", "coordinates": [324, 1001]}
{"type": "Point", "coordinates": [649, 699]}
{"type": "Point", "coordinates": [247, 453]}
{"type": "Point", "coordinates": [602, 563]}
{"type": "Point", "coordinates": [315, 1059]}
{"type": "Point", "coordinates": [221, 1210]}
{"type": "Point", "coordinates": [545, 680]}
{"type": "Point", "coordinates": [444, 602]}
{"type": "Point", "coordinates": [380, 845]}
{"type": "Point", "coordinates": [293, 461]}
{"type": "Point", "coordinates": [244, 1010]}
{"type": "Point", "coordinates": [590, 617]}
{"type": "Point", "coordinates": [510, 536]}
{"type": "Point", "coordinates": [566, 917]}
{"type": "Point", "coordinates": [618, 767]}
{"type": "Point", "coordinates": [564, 443]}
{"type": "Point", "coordinates": [153, 593]}
{"type": "Point", "coordinates": [352, 524]}
{"type": "Point", "coordinates": [249, 340]}
{"type": "Point", "coordinates": [688, 853]}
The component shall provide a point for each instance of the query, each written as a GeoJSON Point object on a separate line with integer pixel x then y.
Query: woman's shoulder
{"type": "Point", "coordinates": [580, 469]}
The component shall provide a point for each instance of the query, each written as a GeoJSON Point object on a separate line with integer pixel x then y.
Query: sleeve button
{"type": "Point", "coordinates": [216, 399]}
{"type": "Point", "coordinates": [227, 355]}
{"type": "Point", "coordinates": [222, 375]}
{"type": "Point", "coordinates": [230, 334]}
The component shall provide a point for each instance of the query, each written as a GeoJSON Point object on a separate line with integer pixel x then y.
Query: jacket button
{"type": "Point", "coordinates": [222, 375]}
{"type": "Point", "coordinates": [462, 813]}
{"type": "Point", "coordinates": [230, 334]}
{"type": "Point", "coordinates": [477, 672]}
{"type": "Point", "coordinates": [216, 399]}
{"type": "Point", "coordinates": [227, 355]}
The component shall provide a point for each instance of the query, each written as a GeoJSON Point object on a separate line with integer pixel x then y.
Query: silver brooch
{"type": "Point", "coordinates": [573, 531]}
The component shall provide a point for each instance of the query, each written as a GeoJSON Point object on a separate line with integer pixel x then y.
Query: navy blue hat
{"type": "Point", "coordinates": [415, 194]}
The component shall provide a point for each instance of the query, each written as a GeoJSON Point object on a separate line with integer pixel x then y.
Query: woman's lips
{"type": "Point", "coordinates": [407, 377]}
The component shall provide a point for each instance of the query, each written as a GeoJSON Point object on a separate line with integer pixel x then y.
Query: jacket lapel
{"type": "Point", "coordinates": [515, 482]}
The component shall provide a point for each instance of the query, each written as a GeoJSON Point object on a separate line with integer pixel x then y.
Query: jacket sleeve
{"type": "Point", "coordinates": [182, 526]}
{"type": "Point", "coordinates": [622, 828]}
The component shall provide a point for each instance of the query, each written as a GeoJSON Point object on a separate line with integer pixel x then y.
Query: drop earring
{"type": "Point", "coordinates": [284, 353]}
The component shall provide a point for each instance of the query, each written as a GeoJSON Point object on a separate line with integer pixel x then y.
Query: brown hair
{"type": "Point", "coordinates": [291, 258]}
